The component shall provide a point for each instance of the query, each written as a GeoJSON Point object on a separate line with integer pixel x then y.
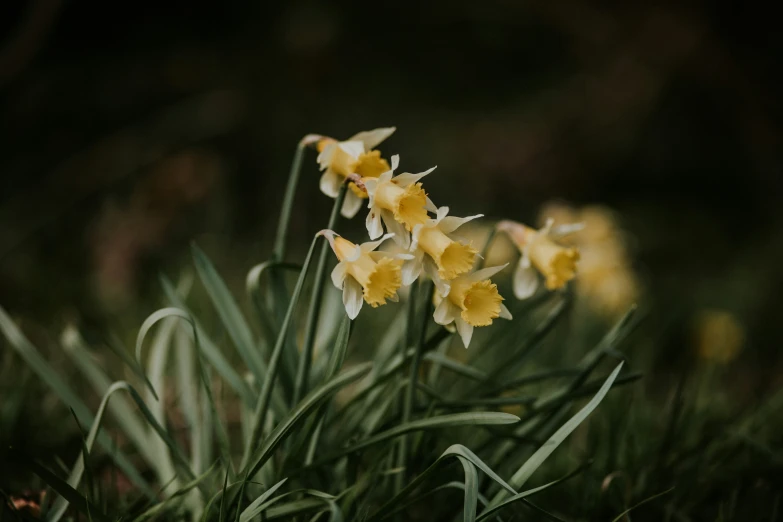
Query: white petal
{"type": "Point", "coordinates": [351, 205]}
{"type": "Point", "coordinates": [445, 312]}
{"type": "Point", "coordinates": [464, 329]}
{"type": "Point", "coordinates": [441, 213]}
{"type": "Point", "coordinates": [430, 206]}
{"type": "Point", "coordinates": [338, 275]}
{"type": "Point", "coordinates": [564, 230]}
{"type": "Point", "coordinates": [372, 138]}
{"type": "Point", "coordinates": [403, 180]}
{"type": "Point", "coordinates": [486, 273]}
{"type": "Point", "coordinates": [352, 297]}
{"type": "Point", "coordinates": [411, 270]}
{"type": "Point", "coordinates": [525, 280]}
{"type": "Point", "coordinates": [325, 157]}
{"type": "Point", "coordinates": [372, 245]}
{"type": "Point", "coordinates": [373, 223]}
{"type": "Point", "coordinates": [401, 235]}
{"type": "Point", "coordinates": [371, 184]}
{"type": "Point", "coordinates": [504, 313]}
{"type": "Point", "coordinates": [451, 223]}
{"type": "Point", "coordinates": [353, 148]}
{"type": "Point", "coordinates": [432, 272]}
{"type": "Point", "coordinates": [330, 183]}
{"type": "Point", "coordinates": [395, 162]}
{"type": "Point", "coordinates": [415, 237]}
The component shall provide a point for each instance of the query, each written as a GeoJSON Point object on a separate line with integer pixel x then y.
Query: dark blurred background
{"type": "Point", "coordinates": [130, 129]}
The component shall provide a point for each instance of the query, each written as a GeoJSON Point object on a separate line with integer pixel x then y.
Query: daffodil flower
{"type": "Point", "coordinates": [365, 275]}
{"type": "Point", "coordinates": [340, 159]}
{"type": "Point", "coordinates": [399, 202]}
{"type": "Point", "coordinates": [473, 300]}
{"type": "Point", "coordinates": [541, 252]}
{"type": "Point", "coordinates": [434, 251]}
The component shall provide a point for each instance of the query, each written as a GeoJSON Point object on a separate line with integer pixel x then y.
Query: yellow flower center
{"type": "Point", "coordinates": [556, 263]}
{"type": "Point", "coordinates": [407, 204]}
{"type": "Point", "coordinates": [380, 280]}
{"type": "Point", "coordinates": [451, 257]}
{"type": "Point", "coordinates": [383, 281]}
{"type": "Point", "coordinates": [370, 165]}
{"type": "Point", "coordinates": [479, 301]}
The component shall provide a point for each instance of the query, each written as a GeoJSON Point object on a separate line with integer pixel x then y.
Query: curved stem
{"type": "Point", "coordinates": [305, 358]}
{"type": "Point", "coordinates": [278, 251]}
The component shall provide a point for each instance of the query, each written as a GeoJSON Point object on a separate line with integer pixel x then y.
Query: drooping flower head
{"type": "Point", "coordinates": [340, 159]}
{"type": "Point", "coordinates": [541, 252]}
{"type": "Point", "coordinates": [472, 301]}
{"type": "Point", "coordinates": [436, 252]}
{"type": "Point", "coordinates": [365, 275]}
{"type": "Point", "coordinates": [399, 202]}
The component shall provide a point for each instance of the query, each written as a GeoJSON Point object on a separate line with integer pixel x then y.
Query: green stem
{"type": "Point", "coordinates": [413, 378]}
{"type": "Point", "coordinates": [278, 251]}
{"type": "Point", "coordinates": [262, 407]}
{"type": "Point", "coordinates": [305, 359]}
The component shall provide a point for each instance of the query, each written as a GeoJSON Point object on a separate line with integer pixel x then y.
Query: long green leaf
{"type": "Point", "coordinates": [61, 504]}
{"type": "Point", "coordinates": [260, 412]}
{"type": "Point", "coordinates": [456, 451]}
{"type": "Point", "coordinates": [122, 410]}
{"type": "Point", "coordinates": [76, 499]}
{"type": "Point", "coordinates": [230, 314]}
{"type": "Point", "coordinates": [314, 310]}
{"type": "Point", "coordinates": [439, 422]}
{"type": "Point", "coordinates": [258, 505]}
{"type": "Point", "coordinates": [534, 462]}
{"type": "Point", "coordinates": [45, 372]}
{"type": "Point", "coordinates": [470, 503]}
{"type": "Point", "coordinates": [310, 402]}
{"type": "Point", "coordinates": [210, 350]}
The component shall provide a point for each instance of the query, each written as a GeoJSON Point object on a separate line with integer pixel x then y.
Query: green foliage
{"type": "Point", "coordinates": [334, 437]}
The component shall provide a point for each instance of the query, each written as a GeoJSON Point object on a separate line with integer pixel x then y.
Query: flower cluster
{"type": "Point", "coordinates": [399, 204]}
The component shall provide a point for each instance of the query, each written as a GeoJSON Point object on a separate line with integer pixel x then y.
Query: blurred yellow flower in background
{"type": "Point", "coordinates": [718, 335]}
{"type": "Point", "coordinates": [607, 280]}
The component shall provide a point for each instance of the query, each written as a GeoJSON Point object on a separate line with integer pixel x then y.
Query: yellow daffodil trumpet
{"type": "Point", "coordinates": [540, 252]}
{"type": "Point", "coordinates": [363, 274]}
{"type": "Point", "coordinates": [472, 301]}
{"type": "Point", "coordinates": [340, 159]}
{"type": "Point", "coordinates": [398, 202]}
{"type": "Point", "coordinates": [435, 252]}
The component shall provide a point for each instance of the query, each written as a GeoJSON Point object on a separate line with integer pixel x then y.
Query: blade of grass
{"type": "Point", "coordinates": [523, 496]}
{"type": "Point", "coordinates": [210, 350]}
{"type": "Point", "coordinates": [439, 422]}
{"type": "Point", "coordinates": [306, 355]}
{"type": "Point", "coordinates": [61, 504]}
{"type": "Point", "coordinates": [307, 405]}
{"type": "Point", "coordinates": [260, 412]}
{"type": "Point", "coordinates": [46, 373]}
{"type": "Point", "coordinates": [122, 411]}
{"type": "Point", "coordinates": [156, 362]}
{"type": "Point", "coordinates": [534, 462]}
{"type": "Point", "coordinates": [76, 499]}
{"type": "Point", "coordinates": [229, 313]}
{"type": "Point", "coordinates": [455, 451]}
{"type": "Point", "coordinates": [258, 505]}
{"type": "Point", "coordinates": [413, 378]}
